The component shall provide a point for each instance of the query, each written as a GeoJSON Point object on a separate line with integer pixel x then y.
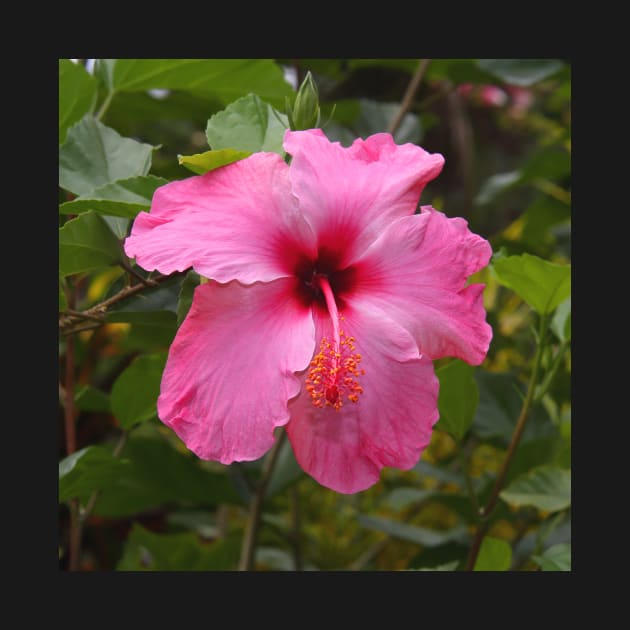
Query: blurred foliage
{"type": "Point", "coordinates": [504, 127]}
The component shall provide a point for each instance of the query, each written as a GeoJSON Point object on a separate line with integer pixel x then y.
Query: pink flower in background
{"type": "Point", "coordinates": [493, 96]}
{"type": "Point", "coordinates": [488, 95]}
{"type": "Point", "coordinates": [520, 99]}
{"type": "Point", "coordinates": [327, 302]}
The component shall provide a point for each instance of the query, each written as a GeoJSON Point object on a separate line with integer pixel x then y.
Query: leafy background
{"type": "Point", "coordinates": [129, 489]}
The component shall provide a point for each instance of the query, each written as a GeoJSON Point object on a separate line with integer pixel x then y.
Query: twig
{"type": "Point", "coordinates": [105, 106]}
{"type": "Point", "coordinates": [75, 331]}
{"type": "Point", "coordinates": [462, 139]}
{"type": "Point", "coordinates": [407, 100]}
{"type": "Point", "coordinates": [68, 319]}
{"type": "Point", "coordinates": [130, 270]}
{"type": "Point", "coordinates": [253, 523]}
{"type": "Point", "coordinates": [516, 438]}
{"type": "Point", "coordinates": [82, 315]}
{"type": "Point", "coordinates": [553, 370]}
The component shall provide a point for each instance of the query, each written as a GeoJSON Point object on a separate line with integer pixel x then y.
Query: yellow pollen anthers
{"type": "Point", "coordinates": [334, 372]}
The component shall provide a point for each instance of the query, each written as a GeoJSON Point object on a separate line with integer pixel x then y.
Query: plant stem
{"type": "Point", "coordinates": [407, 100]}
{"type": "Point", "coordinates": [130, 270]}
{"type": "Point", "coordinates": [105, 106]}
{"type": "Point", "coordinates": [248, 550]}
{"type": "Point", "coordinates": [553, 370]}
{"type": "Point", "coordinates": [516, 437]}
{"type": "Point", "coordinates": [74, 550]}
{"type": "Point", "coordinates": [80, 515]}
{"type": "Point", "coordinates": [70, 318]}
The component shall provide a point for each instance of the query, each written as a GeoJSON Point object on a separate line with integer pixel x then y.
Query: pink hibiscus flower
{"type": "Point", "coordinates": [328, 300]}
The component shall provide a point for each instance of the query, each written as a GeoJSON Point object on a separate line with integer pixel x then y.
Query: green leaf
{"type": "Point", "coordinates": [146, 551]}
{"type": "Point", "coordinates": [87, 243]}
{"type": "Point", "coordinates": [552, 162]}
{"type": "Point", "coordinates": [500, 401]}
{"type": "Point", "coordinates": [161, 475]}
{"type": "Point", "coordinates": [87, 470]}
{"type": "Point", "coordinates": [401, 498]}
{"type": "Point", "coordinates": [135, 392]}
{"type": "Point", "coordinates": [494, 555]}
{"type": "Point", "coordinates": [457, 71]}
{"type": "Point", "coordinates": [439, 473]}
{"type": "Point", "coordinates": [94, 155]}
{"type": "Point", "coordinates": [413, 533]}
{"type": "Point", "coordinates": [521, 72]}
{"type": "Point", "coordinates": [542, 284]}
{"type": "Point", "coordinates": [364, 117]}
{"type": "Point", "coordinates": [497, 184]}
{"type": "Point", "coordinates": [202, 522]}
{"type": "Point", "coordinates": [89, 398]}
{"type": "Point", "coordinates": [201, 163]}
{"type": "Point", "coordinates": [221, 79]}
{"type": "Point", "coordinates": [104, 72]}
{"type": "Point", "coordinates": [248, 124]}
{"type": "Point", "coordinates": [159, 300]}
{"type": "Point", "coordinates": [286, 471]}
{"type": "Point", "coordinates": [547, 488]}
{"type": "Point", "coordinates": [458, 398]}
{"type": "Point", "coordinates": [535, 452]}
{"type": "Point", "coordinates": [118, 225]}
{"type": "Point", "coordinates": [561, 322]}
{"type": "Point", "coordinates": [191, 282]}
{"type": "Point", "coordinates": [77, 92]}
{"type": "Point", "coordinates": [556, 558]}
{"type": "Point", "coordinates": [151, 331]}
{"type": "Point", "coordinates": [375, 117]}
{"type": "Point", "coordinates": [544, 213]}
{"type": "Point", "coordinates": [122, 198]}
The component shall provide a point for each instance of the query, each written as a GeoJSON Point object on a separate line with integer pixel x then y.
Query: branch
{"type": "Point", "coordinates": [407, 100]}
{"type": "Point", "coordinates": [70, 318]}
{"type": "Point", "coordinates": [516, 438]}
{"type": "Point", "coordinates": [251, 533]}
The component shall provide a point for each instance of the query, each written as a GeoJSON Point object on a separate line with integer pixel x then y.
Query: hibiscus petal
{"type": "Point", "coordinates": [349, 194]}
{"type": "Point", "coordinates": [238, 222]}
{"type": "Point", "coordinates": [416, 271]}
{"type": "Point", "coordinates": [390, 424]}
{"type": "Point", "coordinates": [230, 369]}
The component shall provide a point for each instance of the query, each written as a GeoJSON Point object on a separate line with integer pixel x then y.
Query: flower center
{"type": "Point", "coordinates": [334, 371]}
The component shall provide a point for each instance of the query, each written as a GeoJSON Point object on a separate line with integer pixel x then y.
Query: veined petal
{"type": "Point", "coordinates": [230, 369]}
{"type": "Point", "coordinates": [348, 195]}
{"type": "Point", "coordinates": [416, 271]}
{"type": "Point", "coordinates": [391, 422]}
{"type": "Point", "coordinates": [238, 222]}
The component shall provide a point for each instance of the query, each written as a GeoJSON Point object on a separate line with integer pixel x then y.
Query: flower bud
{"type": "Point", "coordinates": [305, 112]}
